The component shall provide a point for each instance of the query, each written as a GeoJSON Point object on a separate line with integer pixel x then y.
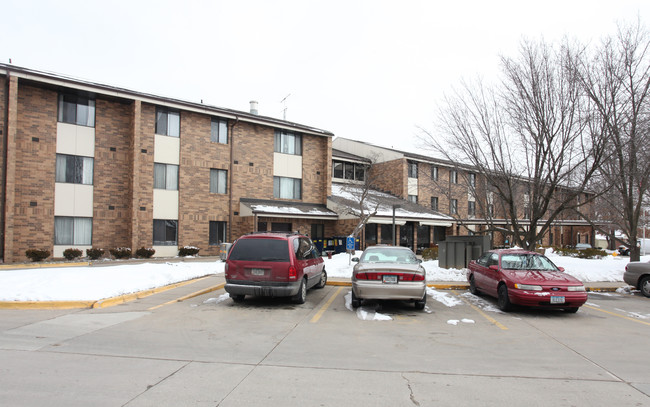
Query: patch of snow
{"type": "Point", "coordinates": [443, 297]}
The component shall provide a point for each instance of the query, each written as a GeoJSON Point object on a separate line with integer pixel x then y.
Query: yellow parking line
{"type": "Point", "coordinates": [187, 297]}
{"type": "Point", "coordinates": [616, 315]}
{"type": "Point", "coordinates": [324, 308]}
{"type": "Point", "coordinates": [483, 314]}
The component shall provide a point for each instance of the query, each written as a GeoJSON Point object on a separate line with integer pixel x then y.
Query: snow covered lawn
{"type": "Point", "coordinates": [95, 283]}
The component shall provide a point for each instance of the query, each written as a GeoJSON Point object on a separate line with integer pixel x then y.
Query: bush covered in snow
{"type": "Point", "coordinates": [94, 253]}
{"type": "Point", "coordinates": [121, 252]}
{"type": "Point", "coordinates": [145, 252]}
{"type": "Point", "coordinates": [37, 254]}
{"type": "Point", "coordinates": [71, 254]}
{"type": "Point", "coordinates": [188, 251]}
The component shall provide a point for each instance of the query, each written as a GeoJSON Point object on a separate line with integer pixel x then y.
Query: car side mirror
{"type": "Point", "coordinates": [419, 260]}
{"type": "Point", "coordinates": [494, 267]}
{"type": "Point", "coordinates": [561, 269]}
{"type": "Point", "coordinates": [355, 259]}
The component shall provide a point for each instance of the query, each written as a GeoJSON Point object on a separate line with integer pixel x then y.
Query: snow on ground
{"type": "Point", "coordinates": [95, 283]}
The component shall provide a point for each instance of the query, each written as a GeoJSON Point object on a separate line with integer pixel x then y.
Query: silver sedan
{"type": "Point", "coordinates": [389, 273]}
{"type": "Point", "coordinates": [637, 274]}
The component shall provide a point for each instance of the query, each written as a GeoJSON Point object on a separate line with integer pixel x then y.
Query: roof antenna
{"type": "Point", "coordinates": [284, 111]}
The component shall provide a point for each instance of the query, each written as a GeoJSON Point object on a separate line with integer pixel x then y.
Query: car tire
{"type": "Point", "coordinates": [503, 301]}
{"type": "Point", "coordinates": [420, 304]}
{"type": "Point", "coordinates": [472, 286]}
{"type": "Point", "coordinates": [644, 286]}
{"type": "Point", "coordinates": [301, 297]}
{"type": "Point", "coordinates": [323, 279]}
{"type": "Point", "coordinates": [237, 297]}
{"type": "Point", "coordinates": [356, 302]}
{"type": "Point", "coordinates": [571, 310]}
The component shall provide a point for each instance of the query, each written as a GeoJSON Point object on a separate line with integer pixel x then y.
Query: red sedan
{"type": "Point", "coordinates": [525, 278]}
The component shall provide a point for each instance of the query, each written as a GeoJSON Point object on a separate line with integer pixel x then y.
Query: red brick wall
{"type": "Point", "coordinates": [197, 205]}
{"type": "Point", "coordinates": [35, 161]}
{"type": "Point", "coordinates": [112, 177]}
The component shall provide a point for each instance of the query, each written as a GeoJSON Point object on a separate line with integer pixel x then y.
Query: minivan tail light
{"type": "Point", "coordinates": [293, 272]}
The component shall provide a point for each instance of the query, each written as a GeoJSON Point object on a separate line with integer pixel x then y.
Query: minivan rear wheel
{"type": "Point", "coordinates": [323, 279]}
{"type": "Point", "coordinates": [301, 297]}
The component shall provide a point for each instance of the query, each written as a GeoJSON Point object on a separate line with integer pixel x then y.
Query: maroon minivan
{"type": "Point", "coordinates": [274, 265]}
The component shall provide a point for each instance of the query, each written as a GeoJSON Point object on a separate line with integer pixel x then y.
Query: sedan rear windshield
{"type": "Point", "coordinates": [389, 255]}
{"type": "Point", "coordinates": [526, 262]}
{"type": "Point", "coordinates": [260, 250]}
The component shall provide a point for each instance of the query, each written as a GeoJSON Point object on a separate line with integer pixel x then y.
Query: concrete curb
{"type": "Point", "coordinates": [42, 265]}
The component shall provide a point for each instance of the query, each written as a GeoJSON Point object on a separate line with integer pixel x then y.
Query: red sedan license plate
{"type": "Point", "coordinates": [557, 300]}
{"type": "Point", "coordinates": [390, 280]}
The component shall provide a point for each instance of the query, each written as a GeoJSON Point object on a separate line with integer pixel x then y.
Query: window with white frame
{"type": "Point", "coordinates": [218, 181]}
{"type": "Point", "coordinates": [472, 179]}
{"type": "Point", "coordinates": [453, 207]}
{"type": "Point", "coordinates": [413, 198]}
{"type": "Point", "coordinates": [70, 230]}
{"type": "Point", "coordinates": [434, 203]}
{"type": "Point", "coordinates": [471, 208]}
{"type": "Point", "coordinates": [165, 232]}
{"type": "Point", "coordinates": [74, 169]}
{"type": "Point", "coordinates": [287, 142]}
{"type": "Point", "coordinates": [165, 176]}
{"type": "Point", "coordinates": [75, 109]}
{"type": "Point", "coordinates": [217, 232]}
{"type": "Point", "coordinates": [434, 173]}
{"type": "Point", "coordinates": [453, 176]}
{"type": "Point", "coordinates": [287, 188]}
{"type": "Point", "coordinates": [412, 169]}
{"type": "Point", "coordinates": [219, 131]}
{"type": "Point", "coordinates": [168, 122]}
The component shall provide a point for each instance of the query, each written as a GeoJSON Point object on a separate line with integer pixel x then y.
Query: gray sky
{"type": "Point", "coordinates": [366, 70]}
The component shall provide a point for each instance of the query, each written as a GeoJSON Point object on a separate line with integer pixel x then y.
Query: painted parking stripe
{"type": "Point", "coordinates": [326, 306]}
{"type": "Point", "coordinates": [482, 313]}
{"type": "Point", "coordinates": [616, 315]}
{"type": "Point", "coordinates": [187, 297]}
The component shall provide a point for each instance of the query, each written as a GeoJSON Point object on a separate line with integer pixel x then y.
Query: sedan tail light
{"type": "Point", "coordinates": [379, 276]}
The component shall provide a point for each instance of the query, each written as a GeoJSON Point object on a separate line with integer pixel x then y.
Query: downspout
{"type": "Point", "coordinates": [5, 142]}
{"type": "Point", "coordinates": [230, 176]}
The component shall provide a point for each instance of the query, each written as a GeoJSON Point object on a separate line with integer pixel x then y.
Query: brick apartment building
{"type": "Point", "coordinates": [447, 189]}
{"type": "Point", "coordinates": [89, 165]}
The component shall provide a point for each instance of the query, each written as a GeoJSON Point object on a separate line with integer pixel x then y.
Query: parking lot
{"type": "Point", "coordinates": [209, 351]}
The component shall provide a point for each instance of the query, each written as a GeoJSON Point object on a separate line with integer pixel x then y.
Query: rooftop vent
{"type": "Point", "coordinates": [254, 107]}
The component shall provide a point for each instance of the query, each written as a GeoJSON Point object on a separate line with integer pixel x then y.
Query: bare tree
{"type": "Point", "coordinates": [527, 137]}
{"type": "Point", "coordinates": [616, 77]}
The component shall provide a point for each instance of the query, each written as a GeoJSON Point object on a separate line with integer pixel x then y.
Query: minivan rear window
{"type": "Point", "coordinates": [260, 250]}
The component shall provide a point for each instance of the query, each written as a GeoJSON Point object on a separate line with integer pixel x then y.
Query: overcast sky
{"type": "Point", "coordinates": [366, 70]}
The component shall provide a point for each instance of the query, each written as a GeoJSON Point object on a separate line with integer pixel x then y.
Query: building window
{"type": "Point", "coordinates": [168, 122]}
{"type": "Point", "coordinates": [74, 169]}
{"type": "Point", "coordinates": [165, 176]}
{"type": "Point", "coordinates": [453, 207]}
{"type": "Point", "coordinates": [472, 179]}
{"type": "Point", "coordinates": [387, 234]}
{"type": "Point", "coordinates": [453, 176]}
{"type": "Point", "coordinates": [371, 233]}
{"type": "Point", "coordinates": [413, 170]}
{"type": "Point", "coordinates": [219, 131]}
{"type": "Point", "coordinates": [413, 198]}
{"type": "Point", "coordinates": [434, 173]}
{"type": "Point", "coordinates": [287, 142]}
{"type": "Point", "coordinates": [471, 208]}
{"type": "Point", "coordinates": [165, 232]}
{"type": "Point", "coordinates": [73, 231]}
{"type": "Point", "coordinates": [218, 181]}
{"type": "Point", "coordinates": [317, 231]}
{"type": "Point", "coordinates": [217, 233]}
{"type": "Point", "coordinates": [434, 203]}
{"type": "Point", "coordinates": [280, 227]}
{"type": "Point", "coordinates": [77, 110]}
{"type": "Point", "coordinates": [351, 171]}
{"type": "Point", "coordinates": [287, 188]}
